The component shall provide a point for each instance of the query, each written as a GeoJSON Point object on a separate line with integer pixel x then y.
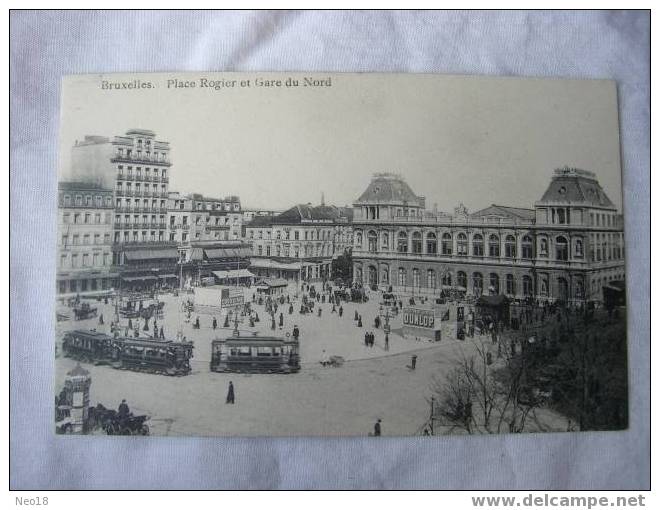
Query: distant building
{"type": "Point", "coordinates": [299, 243]}
{"type": "Point", "coordinates": [84, 246]}
{"type": "Point", "coordinates": [564, 249]}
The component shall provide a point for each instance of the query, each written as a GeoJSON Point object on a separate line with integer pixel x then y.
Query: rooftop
{"type": "Point", "coordinates": [390, 189]}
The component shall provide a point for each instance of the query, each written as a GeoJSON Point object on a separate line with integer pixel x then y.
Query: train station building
{"type": "Point", "coordinates": [565, 247]}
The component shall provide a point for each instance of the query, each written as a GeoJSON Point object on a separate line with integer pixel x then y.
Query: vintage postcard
{"type": "Point", "coordinates": [291, 254]}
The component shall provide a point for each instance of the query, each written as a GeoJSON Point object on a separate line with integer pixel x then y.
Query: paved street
{"type": "Point", "coordinates": [347, 400]}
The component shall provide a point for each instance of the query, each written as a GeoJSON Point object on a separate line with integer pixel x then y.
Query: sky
{"type": "Point", "coordinates": [454, 139]}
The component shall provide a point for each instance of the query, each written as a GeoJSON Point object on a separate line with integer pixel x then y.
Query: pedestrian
{"type": "Point", "coordinates": [372, 339]}
{"type": "Point", "coordinates": [130, 324]}
{"type": "Point", "coordinates": [146, 325]}
{"type": "Point", "coordinates": [377, 428]}
{"type": "Point", "coordinates": [290, 309]}
{"type": "Point", "coordinates": [334, 308]}
{"type": "Point", "coordinates": [320, 310]}
{"type": "Point", "coordinates": [197, 322]}
{"type": "Point", "coordinates": [230, 394]}
{"type": "Point", "coordinates": [215, 323]}
{"type": "Point", "coordinates": [296, 332]}
{"type": "Point", "coordinates": [377, 322]}
{"type": "Point", "coordinates": [101, 320]}
{"type": "Point", "coordinates": [162, 333]}
{"type": "Point", "coordinates": [272, 322]}
{"type": "Point", "coordinates": [355, 316]}
{"type": "Point", "coordinates": [226, 324]}
{"type": "Point", "coordinates": [387, 342]}
{"type": "Point", "coordinates": [281, 319]}
{"type": "Point", "coordinates": [341, 310]}
{"type": "Point", "coordinates": [366, 339]}
{"type": "Point", "coordinates": [413, 361]}
{"type": "Point", "coordinates": [359, 324]}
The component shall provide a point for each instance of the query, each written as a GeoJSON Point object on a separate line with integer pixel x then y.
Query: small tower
{"type": "Point", "coordinates": [77, 384]}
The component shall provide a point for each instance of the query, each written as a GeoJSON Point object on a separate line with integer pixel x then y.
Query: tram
{"type": "Point", "coordinates": [140, 354]}
{"type": "Point", "coordinates": [256, 355]}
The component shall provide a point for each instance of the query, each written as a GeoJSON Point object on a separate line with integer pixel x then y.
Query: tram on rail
{"type": "Point", "coordinates": [255, 354]}
{"type": "Point", "coordinates": [141, 354]}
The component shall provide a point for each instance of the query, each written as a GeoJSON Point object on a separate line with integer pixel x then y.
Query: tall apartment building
{"type": "Point", "coordinates": [136, 167]}
{"type": "Point", "coordinates": [565, 249]}
{"type": "Point", "coordinates": [84, 260]}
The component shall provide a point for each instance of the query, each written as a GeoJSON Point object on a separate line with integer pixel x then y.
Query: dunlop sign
{"type": "Point", "coordinates": [418, 317]}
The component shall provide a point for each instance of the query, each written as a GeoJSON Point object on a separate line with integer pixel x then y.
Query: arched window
{"type": "Point", "coordinates": [385, 275]}
{"type": "Point", "coordinates": [527, 248]}
{"type": "Point", "coordinates": [402, 276]}
{"type": "Point", "coordinates": [493, 246]}
{"type": "Point", "coordinates": [415, 277]}
{"type": "Point", "coordinates": [543, 247]}
{"type": "Point", "coordinates": [385, 241]}
{"type": "Point", "coordinates": [430, 279]}
{"type": "Point", "coordinates": [402, 243]}
{"type": "Point", "coordinates": [528, 289]}
{"type": "Point", "coordinates": [358, 238]}
{"type": "Point", "coordinates": [544, 286]}
{"type": "Point", "coordinates": [417, 242]}
{"type": "Point", "coordinates": [372, 241]}
{"type": "Point", "coordinates": [477, 245]}
{"type": "Point", "coordinates": [358, 273]}
{"type": "Point", "coordinates": [561, 245]}
{"type": "Point", "coordinates": [462, 244]}
{"type": "Point", "coordinates": [510, 285]}
{"type": "Point", "coordinates": [579, 289]}
{"type": "Point", "coordinates": [446, 243]}
{"type": "Point", "coordinates": [431, 243]}
{"type": "Point", "coordinates": [461, 279]}
{"type": "Point", "coordinates": [579, 248]}
{"type": "Point", "coordinates": [477, 284]}
{"type": "Point", "coordinates": [494, 281]}
{"type": "Point", "coordinates": [446, 279]}
{"type": "Point", "coordinates": [510, 247]}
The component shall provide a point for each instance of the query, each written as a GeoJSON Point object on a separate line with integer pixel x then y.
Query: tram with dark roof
{"type": "Point", "coordinates": [256, 355]}
{"type": "Point", "coordinates": [140, 354]}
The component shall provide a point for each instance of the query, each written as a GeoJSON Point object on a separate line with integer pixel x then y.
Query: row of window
{"type": "Point", "coordinates": [136, 236]}
{"type": "Point", "coordinates": [140, 187]}
{"type": "Point", "coordinates": [147, 154]}
{"type": "Point", "coordinates": [84, 285]}
{"type": "Point", "coordinates": [86, 239]}
{"type": "Point", "coordinates": [138, 172]}
{"type": "Point", "coordinates": [86, 218]}
{"type": "Point", "coordinates": [218, 235]}
{"type": "Point", "coordinates": [87, 201]}
{"type": "Point", "coordinates": [324, 250]}
{"type": "Point", "coordinates": [83, 260]}
{"type": "Point", "coordinates": [494, 246]}
{"type": "Point", "coordinates": [307, 235]}
{"type": "Point", "coordinates": [136, 204]}
{"type": "Point", "coordinates": [476, 283]}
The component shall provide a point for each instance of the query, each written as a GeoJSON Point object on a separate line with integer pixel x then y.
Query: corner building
{"type": "Point", "coordinates": [565, 248]}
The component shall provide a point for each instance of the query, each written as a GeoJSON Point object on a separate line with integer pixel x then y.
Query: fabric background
{"type": "Point", "coordinates": [47, 45]}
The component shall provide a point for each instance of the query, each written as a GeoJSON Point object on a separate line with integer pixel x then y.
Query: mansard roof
{"type": "Point", "coordinates": [573, 186]}
{"type": "Point", "coordinates": [305, 213]}
{"type": "Point", "coordinates": [389, 189]}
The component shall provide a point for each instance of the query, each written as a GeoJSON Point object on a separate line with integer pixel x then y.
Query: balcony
{"type": "Point", "coordinates": [134, 158]}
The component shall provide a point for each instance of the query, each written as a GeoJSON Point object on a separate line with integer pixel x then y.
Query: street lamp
{"type": "Point", "coordinates": [386, 326]}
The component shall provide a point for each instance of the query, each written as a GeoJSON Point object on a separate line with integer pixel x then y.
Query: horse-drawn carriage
{"type": "Point", "coordinates": [113, 423]}
{"type": "Point", "coordinates": [84, 311]}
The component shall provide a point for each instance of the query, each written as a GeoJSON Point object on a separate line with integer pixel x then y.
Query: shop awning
{"type": "Point", "coordinates": [234, 273]}
{"type": "Point", "coordinates": [272, 264]}
{"type": "Point", "coordinates": [137, 278]}
{"type": "Point", "coordinates": [166, 276]}
{"type": "Point", "coordinates": [152, 254]}
{"type": "Point", "coordinates": [225, 253]}
{"type": "Point", "coordinates": [273, 282]}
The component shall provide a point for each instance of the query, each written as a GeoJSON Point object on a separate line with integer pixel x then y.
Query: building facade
{"type": "Point", "coordinates": [564, 249]}
{"type": "Point", "coordinates": [299, 243]}
{"type": "Point", "coordinates": [136, 167]}
{"type": "Point", "coordinates": [84, 259]}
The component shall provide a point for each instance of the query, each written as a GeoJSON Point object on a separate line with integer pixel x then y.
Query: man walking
{"type": "Point", "coordinates": [413, 361]}
{"type": "Point", "coordinates": [215, 323]}
{"type": "Point", "coordinates": [377, 428]}
{"type": "Point", "coordinates": [230, 394]}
